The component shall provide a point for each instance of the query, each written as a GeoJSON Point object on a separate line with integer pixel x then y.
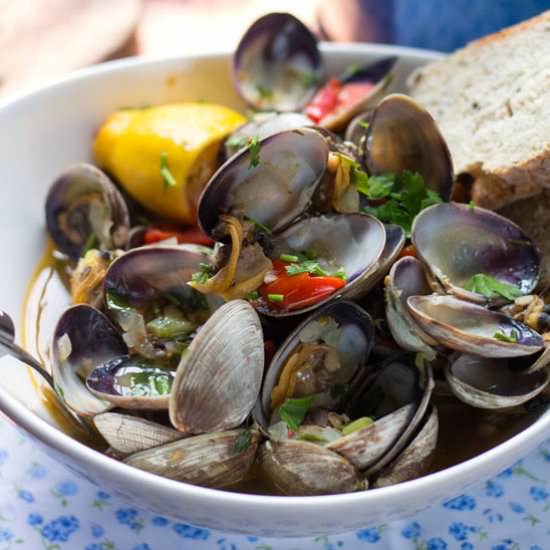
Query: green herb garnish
{"type": "Point", "coordinates": [237, 141]}
{"type": "Point", "coordinates": [260, 226]}
{"type": "Point", "coordinates": [251, 296]}
{"type": "Point", "coordinates": [90, 244]}
{"type": "Point", "coordinates": [288, 258]}
{"type": "Point", "coordinates": [312, 438]}
{"type": "Point", "coordinates": [276, 297]}
{"type": "Point", "coordinates": [264, 91]}
{"type": "Point", "coordinates": [364, 124]}
{"type": "Point", "coordinates": [243, 441]}
{"type": "Point", "coordinates": [168, 178]}
{"type": "Point", "coordinates": [293, 411]}
{"type": "Point", "coordinates": [407, 197]}
{"type": "Point", "coordinates": [116, 302]}
{"type": "Point", "coordinates": [307, 266]}
{"type": "Point", "coordinates": [357, 425]}
{"type": "Point", "coordinates": [309, 79]}
{"type": "Point", "coordinates": [254, 150]}
{"type": "Point", "coordinates": [351, 70]}
{"type": "Point", "coordinates": [202, 276]}
{"type": "Point", "coordinates": [472, 205]}
{"type": "Point", "coordinates": [150, 383]}
{"type": "Point", "coordinates": [512, 338]}
{"type": "Point", "coordinates": [491, 288]}
{"type": "Point", "coordinates": [169, 327]}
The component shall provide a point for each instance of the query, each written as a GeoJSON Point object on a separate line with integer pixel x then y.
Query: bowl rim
{"type": "Point", "coordinates": [51, 436]}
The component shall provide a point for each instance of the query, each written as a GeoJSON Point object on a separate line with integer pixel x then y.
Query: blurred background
{"type": "Point", "coordinates": [43, 39]}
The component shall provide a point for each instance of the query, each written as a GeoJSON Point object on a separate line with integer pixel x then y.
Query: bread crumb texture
{"type": "Point", "coordinates": [491, 101]}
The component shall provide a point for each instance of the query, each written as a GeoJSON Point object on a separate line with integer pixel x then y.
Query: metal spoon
{"type": "Point", "coordinates": [9, 347]}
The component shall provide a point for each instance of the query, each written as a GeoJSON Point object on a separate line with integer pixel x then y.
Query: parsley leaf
{"type": "Point", "coordinates": [254, 150]}
{"type": "Point", "coordinates": [293, 411]}
{"type": "Point", "coordinates": [168, 178]}
{"type": "Point", "coordinates": [203, 275]}
{"type": "Point", "coordinates": [407, 196]}
{"type": "Point", "coordinates": [243, 441]}
{"type": "Point", "coordinates": [512, 338]}
{"type": "Point", "coordinates": [237, 141]}
{"type": "Point", "coordinates": [491, 288]}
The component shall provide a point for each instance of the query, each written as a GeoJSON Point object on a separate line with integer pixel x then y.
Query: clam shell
{"type": "Point", "coordinates": [407, 278]}
{"type": "Point", "coordinates": [353, 241]}
{"type": "Point", "coordinates": [272, 61]}
{"type": "Point", "coordinates": [218, 379]}
{"type": "Point", "coordinates": [209, 460]}
{"type": "Point", "coordinates": [356, 342]}
{"type": "Point", "coordinates": [469, 328]}
{"type": "Point", "coordinates": [300, 468]}
{"type": "Point", "coordinates": [103, 382]}
{"type": "Point", "coordinates": [364, 447]}
{"type": "Point", "coordinates": [415, 460]}
{"type": "Point", "coordinates": [494, 383]}
{"type": "Point", "coordinates": [275, 191]}
{"type": "Point", "coordinates": [456, 242]}
{"type": "Point", "coordinates": [404, 136]}
{"type": "Point", "coordinates": [127, 434]}
{"type": "Point", "coordinates": [74, 183]}
{"type": "Point", "coordinates": [83, 339]}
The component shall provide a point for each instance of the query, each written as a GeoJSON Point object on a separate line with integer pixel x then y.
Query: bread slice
{"type": "Point", "coordinates": [491, 100]}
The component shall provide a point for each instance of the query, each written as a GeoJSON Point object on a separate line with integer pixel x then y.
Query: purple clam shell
{"type": "Point", "coordinates": [76, 181]}
{"type": "Point", "coordinates": [458, 242]}
{"type": "Point", "coordinates": [275, 46]}
{"type": "Point", "coordinates": [275, 191]}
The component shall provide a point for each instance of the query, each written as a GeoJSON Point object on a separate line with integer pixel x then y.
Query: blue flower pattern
{"type": "Point", "coordinates": [48, 507]}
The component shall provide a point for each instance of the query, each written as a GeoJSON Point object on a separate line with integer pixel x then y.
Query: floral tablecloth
{"type": "Point", "coordinates": [44, 506]}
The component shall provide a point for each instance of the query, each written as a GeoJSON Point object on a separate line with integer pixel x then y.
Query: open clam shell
{"type": "Point", "coordinates": [83, 339]}
{"type": "Point", "coordinates": [132, 383]}
{"type": "Point", "coordinates": [415, 460]}
{"type": "Point", "coordinates": [396, 395]}
{"type": "Point", "coordinates": [277, 64]}
{"type": "Point", "coordinates": [300, 468]}
{"type": "Point", "coordinates": [407, 278]}
{"type": "Point", "coordinates": [362, 87]}
{"type": "Point", "coordinates": [127, 434]}
{"type": "Point", "coordinates": [213, 460]}
{"type": "Point", "coordinates": [84, 206]}
{"type": "Point", "coordinates": [404, 136]}
{"type": "Point", "coordinates": [275, 190]}
{"type": "Point", "coordinates": [353, 242]}
{"type": "Point", "coordinates": [457, 242]}
{"type": "Point", "coordinates": [264, 125]}
{"type": "Point", "coordinates": [494, 383]}
{"type": "Point", "coordinates": [353, 346]}
{"type": "Point", "coordinates": [470, 328]}
{"type": "Point", "coordinates": [218, 379]}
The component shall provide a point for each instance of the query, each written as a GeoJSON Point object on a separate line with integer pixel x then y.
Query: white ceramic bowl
{"type": "Point", "coordinates": [44, 131]}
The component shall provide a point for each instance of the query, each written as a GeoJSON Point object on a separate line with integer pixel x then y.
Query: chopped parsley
{"type": "Point", "coordinates": [357, 425]}
{"type": "Point", "coordinates": [264, 91]}
{"type": "Point", "coordinates": [491, 288]}
{"type": "Point", "coordinates": [305, 264]}
{"type": "Point", "coordinates": [167, 177]}
{"type": "Point", "coordinates": [251, 296]}
{"type": "Point", "coordinates": [202, 276]}
{"type": "Point", "coordinates": [260, 226]}
{"type": "Point", "coordinates": [309, 79]}
{"type": "Point", "coordinates": [406, 194]}
{"type": "Point", "coordinates": [512, 338]}
{"type": "Point", "coordinates": [293, 411]}
{"type": "Point", "coordinates": [243, 441]}
{"type": "Point", "coordinates": [276, 297]}
{"type": "Point", "coordinates": [254, 146]}
{"type": "Point", "coordinates": [237, 141]}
